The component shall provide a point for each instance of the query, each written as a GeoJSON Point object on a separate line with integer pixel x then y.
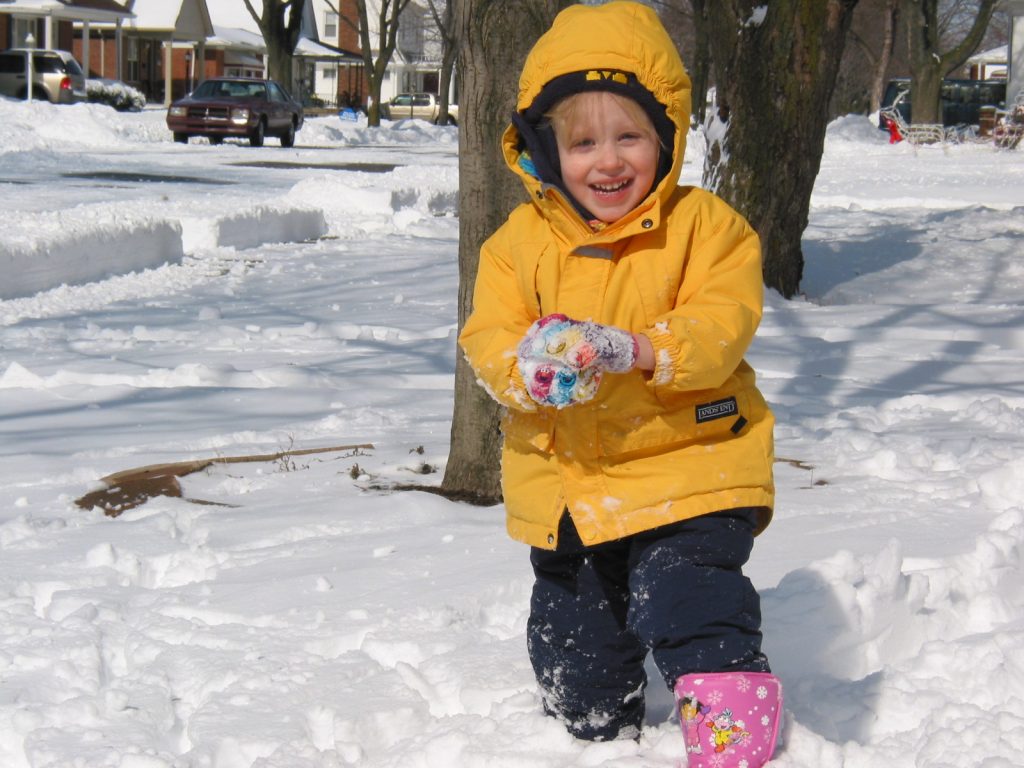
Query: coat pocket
{"type": "Point", "coordinates": [698, 417]}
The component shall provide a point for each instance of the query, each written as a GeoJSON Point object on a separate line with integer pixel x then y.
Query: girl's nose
{"type": "Point", "coordinates": [608, 157]}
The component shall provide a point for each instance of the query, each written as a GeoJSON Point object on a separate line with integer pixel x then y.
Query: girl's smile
{"type": "Point", "coordinates": [608, 155]}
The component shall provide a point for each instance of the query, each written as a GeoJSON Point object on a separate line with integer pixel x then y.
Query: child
{"type": "Point", "coordinates": [611, 315]}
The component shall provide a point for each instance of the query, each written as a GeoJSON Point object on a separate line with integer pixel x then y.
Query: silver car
{"type": "Point", "coordinates": [56, 76]}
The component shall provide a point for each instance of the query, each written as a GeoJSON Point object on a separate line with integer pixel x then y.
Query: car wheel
{"type": "Point", "coordinates": [258, 134]}
{"type": "Point", "coordinates": [288, 137]}
{"type": "Point", "coordinates": [181, 138]}
{"type": "Point", "coordinates": [216, 139]}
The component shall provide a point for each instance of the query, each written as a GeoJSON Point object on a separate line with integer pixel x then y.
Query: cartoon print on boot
{"type": "Point", "coordinates": [727, 731]}
{"type": "Point", "coordinates": [692, 714]}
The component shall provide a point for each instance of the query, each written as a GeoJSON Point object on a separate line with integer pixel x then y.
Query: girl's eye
{"type": "Point", "coordinates": [583, 143]}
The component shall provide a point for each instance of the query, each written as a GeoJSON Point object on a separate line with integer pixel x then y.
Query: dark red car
{"type": "Point", "coordinates": [240, 107]}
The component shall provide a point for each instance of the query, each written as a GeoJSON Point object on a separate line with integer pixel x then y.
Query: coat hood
{"type": "Point", "coordinates": [618, 37]}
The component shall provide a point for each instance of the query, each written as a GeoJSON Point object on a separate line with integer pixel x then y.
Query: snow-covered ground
{"type": "Point", "coordinates": [290, 613]}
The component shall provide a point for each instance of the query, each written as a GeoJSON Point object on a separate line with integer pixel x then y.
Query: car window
{"type": "Point", "coordinates": [72, 67]}
{"type": "Point", "coordinates": [257, 91]}
{"type": "Point", "coordinates": [402, 101]}
{"type": "Point", "coordinates": [276, 94]}
{"type": "Point", "coordinates": [422, 100]}
{"type": "Point", "coordinates": [206, 89]}
{"type": "Point", "coordinates": [12, 62]}
{"type": "Point", "coordinates": [47, 63]}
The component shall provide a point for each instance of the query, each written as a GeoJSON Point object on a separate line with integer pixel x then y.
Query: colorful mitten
{"type": "Point", "coordinates": [561, 360]}
{"type": "Point", "coordinates": [614, 349]}
{"type": "Point", "coordinates": [552, 383]}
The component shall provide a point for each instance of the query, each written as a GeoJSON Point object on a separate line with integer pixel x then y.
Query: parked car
{"type": "Point", "coordinates": [56, 75]}
{"type": "Point", "coordinates": [240, 107]}
{"type": "Point", "coordinates": [960, 100]}
{"type": "Point", "coordinates": [421, 106]}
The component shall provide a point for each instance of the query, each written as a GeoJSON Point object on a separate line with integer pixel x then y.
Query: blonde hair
{"type": "Point", "coordinates": [567, 114]}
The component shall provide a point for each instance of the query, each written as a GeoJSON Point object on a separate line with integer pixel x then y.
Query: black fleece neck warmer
{"type": "Point", "coordinates": [538, 137]}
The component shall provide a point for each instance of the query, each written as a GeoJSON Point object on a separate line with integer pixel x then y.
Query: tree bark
{"type": "Point", "coordinates": [700, 68]}
{"type": "Point", "coordinates": [444, 21]}
{"type": "Point", "coordinates": [388, 15]}
{"type": "Point", "coordinates": [495, 37]}
{"type": "Point", "coordinates": [928, 64]}
{"type": "Point", "coordinates": [775, 68]}
{"type": "Point", "coordinates": [280, 24]}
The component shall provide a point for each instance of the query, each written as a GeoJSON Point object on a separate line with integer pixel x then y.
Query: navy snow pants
{"type": "Point", "coordinates": [676, 591]}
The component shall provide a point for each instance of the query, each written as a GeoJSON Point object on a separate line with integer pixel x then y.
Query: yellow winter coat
{"type": "Point", "coordinates": [683, 268]}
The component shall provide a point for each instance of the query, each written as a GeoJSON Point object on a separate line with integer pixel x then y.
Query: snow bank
{"type": "Point", "coordinates": [92, 242]}
{"type": "Point", "coordinates": [83, 246]}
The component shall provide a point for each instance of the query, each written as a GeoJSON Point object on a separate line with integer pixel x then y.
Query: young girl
{"type": "Point", "coordinates": [611, 316]}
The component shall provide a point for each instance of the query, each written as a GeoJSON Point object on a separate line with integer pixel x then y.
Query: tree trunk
{"type": "Point", "coordinates": [881, 65]}
{"type": "Point", "coordinates": [928, 64]}
{"type": "Point", "coordinates": [495, 37]}
{"type": "Point", "coordinates": [444, 21]}
{"type": "Point", "coordinates": [445, 84]}
{"type": "Point", "coordinates": [280, 23]}
{"type": "Point", "coordinates": [700, 67]}
{"type": "Point", "coordinates": [388, 14]}
{"type": "Point", "coordinates": [775, 68]}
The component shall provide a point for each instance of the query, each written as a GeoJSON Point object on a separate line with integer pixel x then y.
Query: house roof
{"type": "Point", "coordinates": [74, 10]}
{"type": "Point", "coordinates": [235, 39]}
{"type": "Point", "coordinates": [312, 49]}
{"type": "Point", "coordinates": [186, 18]}
{"type": "Point", "coordinates": [991, 56]}
{"type": "Point", "coordinates": [234, 14]}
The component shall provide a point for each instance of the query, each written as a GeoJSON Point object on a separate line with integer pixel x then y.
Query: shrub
{"type": "Point", "coordinates": [116, 94]}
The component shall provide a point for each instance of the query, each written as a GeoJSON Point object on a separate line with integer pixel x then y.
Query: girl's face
{"type": "Point", "coordinates": [608, 153]}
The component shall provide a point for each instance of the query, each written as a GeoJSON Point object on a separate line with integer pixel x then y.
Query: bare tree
{"type": "Point", "coordinates": [873, 35]}
{"type": "Point", "coordinates": [280, 22]}
{"type": "Point", "coordinates": [775, 67]}
{"type": "Point", "coordinates": [928, 63]}
{"type": "Point", "coordinates": [443, 12]}
{"type": "Point", "coordinates": [684, 22]}
{"type": "Point", "coordinates": [495, 37]}
{"type": "Point", "coordinates": [387, 38]}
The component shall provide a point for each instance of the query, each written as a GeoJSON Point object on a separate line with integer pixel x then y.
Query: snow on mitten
{"type": "Point", "coordinates": [556, 362]}
{"type": "Point", "coordinates": [550, 382]}
{"type": "Point", "coordinates": [581, 344]}
{"type": "Point", "coordinates": [613, 349]}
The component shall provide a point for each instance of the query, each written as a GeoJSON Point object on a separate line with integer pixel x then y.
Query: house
{"type": "Point", "coordinates": [165, 47]}
{"type": "Point", "coordinates": [159, 49]}
{"type": "Point", "coordinates": [237, 35]}
{"type": "Point", "coordinates": [341, 83]}
{"type": "Point", "coordinates": [51, 23]}
{"type": "Point", "coordinates": [990, 64]}
{"type": "Point", "coordinates": [415, 65]}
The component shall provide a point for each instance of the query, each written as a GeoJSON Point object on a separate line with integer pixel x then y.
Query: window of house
{"type": "Point", "coordinates": [132, 59]}
{"type": "Point", "coordinates": [331, 25]}
{"type": "Point", "coordinates": [411, 36]}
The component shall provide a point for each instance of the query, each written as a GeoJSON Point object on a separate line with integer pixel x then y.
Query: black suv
{"type": "Point", "coordinates": [962, 100]}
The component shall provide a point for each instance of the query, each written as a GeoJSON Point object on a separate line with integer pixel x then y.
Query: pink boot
{"type": "Point", "coordinates": [729, 719]}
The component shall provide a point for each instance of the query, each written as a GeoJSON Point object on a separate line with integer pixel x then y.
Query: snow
{"type": "Point", "coordinates": [164, 303]}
